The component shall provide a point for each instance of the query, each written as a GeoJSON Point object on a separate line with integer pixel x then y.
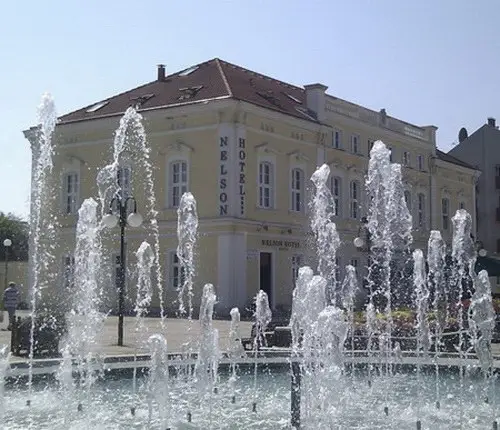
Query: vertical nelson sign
{"type": "Point", "coordinates": [232, 173]}
{"type": "Point", "coordinates": [223, 176]}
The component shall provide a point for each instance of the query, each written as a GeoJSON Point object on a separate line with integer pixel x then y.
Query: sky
{"type": "Point", "coordinates": [424, 61]}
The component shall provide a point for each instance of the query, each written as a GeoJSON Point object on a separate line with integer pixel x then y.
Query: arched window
{"type": "Point", "coordinates": [354, 194]}
{"type": "Point", "coordinates": [178, 181]}
{"type": "Point", "coordinates": [297, 190]}
{"type": "Point", "coordinates": [71, 194]}
{"type": "Point", "coordinates": [336, 190]}
{"type": "Point", "coordinates": [266, 185]}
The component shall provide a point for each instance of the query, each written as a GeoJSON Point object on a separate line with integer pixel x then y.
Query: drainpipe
{"type": "Point", "coordinates": [432, 159]}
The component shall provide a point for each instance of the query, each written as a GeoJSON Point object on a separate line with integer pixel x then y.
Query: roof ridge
{"type": "Point", "coordinates": [223, 76]}
{"type": "Point", "coordinates": [283, 83]}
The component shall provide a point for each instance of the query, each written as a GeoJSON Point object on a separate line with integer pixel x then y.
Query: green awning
{"type": "Point", "coordinates": [491, 265]}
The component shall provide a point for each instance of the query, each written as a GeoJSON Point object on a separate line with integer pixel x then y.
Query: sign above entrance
{"type": "Point", "coordinates": [289, 244]}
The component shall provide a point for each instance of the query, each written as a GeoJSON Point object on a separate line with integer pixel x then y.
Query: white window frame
{"type": "Point", "coordinates": [354, 198]}
{"type": "Point", "coordinates": [176, 273]}
{"type": "Point", "coordinates": [445, 213]}
{"type": "Point", "coordinates": [355, 138]}
{"type": "Point", "coordinates": [421, 210]}
{"type": "Point", "coordinates": [297, 263]}
{"type": "Point", "coordinates": [336, 190]}
{"type": "Point", "coordinates": [68, 271]}
{"type": "Point", "coordinates": [420, 162]}
{"type": "Point", "coordinates": [177, 186]}
{"type": "Point", "coordinates": [263, 185]}
{"type": "Point", "coordinates": [71, 198]}
{"type": "Point", "coordinates": [337, 139]}
{"type": "Point", "coordinates": [297, 190]}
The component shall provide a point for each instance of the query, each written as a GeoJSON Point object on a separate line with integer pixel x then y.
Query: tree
{"type": "Point", "coordinates": [14, 228]}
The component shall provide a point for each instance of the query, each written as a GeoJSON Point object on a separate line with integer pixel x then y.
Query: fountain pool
{"type": "Point", "coordinates": [352, 403]}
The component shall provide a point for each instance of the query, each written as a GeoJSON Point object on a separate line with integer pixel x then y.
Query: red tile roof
{"type": "Point", "coordinates": [210, 80]}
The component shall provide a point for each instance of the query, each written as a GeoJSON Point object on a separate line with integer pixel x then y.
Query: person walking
{"type": "Point", "coordinates": [10, 302]}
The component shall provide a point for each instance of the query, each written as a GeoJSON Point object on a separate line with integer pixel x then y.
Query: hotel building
{"type": "Point", "coordinates": [246, 145]}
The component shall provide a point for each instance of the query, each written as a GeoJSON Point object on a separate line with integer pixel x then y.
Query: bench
{"type": "Point", "coordinates": [277, 334]}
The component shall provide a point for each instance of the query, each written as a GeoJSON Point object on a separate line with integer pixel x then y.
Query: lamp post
{"type": "Point", "coordinates": [118, 215]}
{"type": "Point", "coordinates": [7, 243]}
{"type": "Point", "coordinates": [359, 242]}
{"type": "Point", "coordinates": [363, 243]}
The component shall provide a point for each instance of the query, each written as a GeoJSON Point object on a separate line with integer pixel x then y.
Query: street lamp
{"type": "Point", "coordinates": [7, 243]}
{"type": "Point", "coordinates": [118, 210]}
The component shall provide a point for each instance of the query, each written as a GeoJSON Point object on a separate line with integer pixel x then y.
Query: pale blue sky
{"type": "Point", "coordinates": [426, 61]}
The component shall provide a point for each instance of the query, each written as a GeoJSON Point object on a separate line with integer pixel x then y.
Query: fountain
{"type": "Point", "coordinates": [350, 368]}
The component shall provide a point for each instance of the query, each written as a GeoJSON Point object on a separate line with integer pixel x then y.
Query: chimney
{"type": "Point", "coordinates": [491, 122]}
{"type": "Point", "coordinates": [161, 72]}
{"type": "Point", "coordinates": [315, 99]}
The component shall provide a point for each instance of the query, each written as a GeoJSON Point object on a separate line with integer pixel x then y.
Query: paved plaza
{"type": "Point", "coordinates": [177, 332]}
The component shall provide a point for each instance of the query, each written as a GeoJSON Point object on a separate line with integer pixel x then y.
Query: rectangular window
{"type": "Point", "coordinates": [297, 261]}
{"type": "Point", "coordinates": [71, 193]}
{"type": "Point", "coordinates": [266, 185]}
{"type": "Point", "coordinates": [406, 159]}
{"type": "Point", "coordinates": [337, 139]}
{"type": "Point", "coordinates": [178, 182]}
{"type": "Point", "coordinates": [336, 190]}
{"type": "Point", "coordinates": [297, 193]}
{"type": "Point", "coordinates": [445, 212]}
{"type": "Point", "coordinates": [354, 197]}
{"type": "Point", "coordinates": [421, 211]}
{"type": "Point", "coordinates": [124, 181]}
{"type": "Point", "coordinates": [355, 263]}
{"type": "Point", "coordinates": [68, 271]}
{"type": "Point", "coordinates": [408, 200]}
{"type": "Point", "coordinates": [420, 162]}
{"type": "Point", "coordinates": [355, 144]}
{"type": "Point", "coordinates": [176, 272]}
{"type": "Point", "coordinates": [371, 142]}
